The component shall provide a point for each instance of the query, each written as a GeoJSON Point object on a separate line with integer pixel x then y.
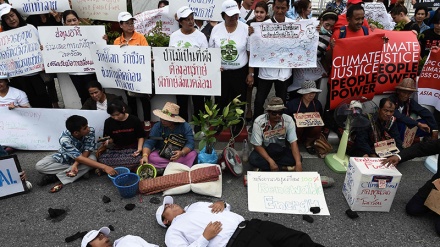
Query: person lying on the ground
{"type": "Point", "coordinates": [100, 238]}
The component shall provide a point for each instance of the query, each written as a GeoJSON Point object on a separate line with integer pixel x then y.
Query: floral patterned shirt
{"type": "Point", "coordinates": [71, 148]}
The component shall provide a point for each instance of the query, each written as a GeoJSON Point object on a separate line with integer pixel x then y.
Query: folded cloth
{"type": "Point", "coordinates": [159, 184]}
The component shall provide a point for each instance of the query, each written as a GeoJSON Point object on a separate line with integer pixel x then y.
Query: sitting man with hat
{"type": "Point", "coordinates": [99, 238]}
{"type": "Point", "coordinates": [408, 109]}
{"type": "Point", "coordinates": [270, 132]}
{"type": "Point", "coordinates": [213, 224]}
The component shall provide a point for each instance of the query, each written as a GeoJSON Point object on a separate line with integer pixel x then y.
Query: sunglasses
{"type": "Point", "coordinates": [275, 113]}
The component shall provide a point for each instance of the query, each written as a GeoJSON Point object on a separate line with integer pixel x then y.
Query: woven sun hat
{"type": "Point", "coordinates": [308, 87]}
{"type": "Point", "coordinates": [170, 112]}
{"type": "Point", "coordinates": [407, 84]}
{"type": "Point", "coordinates": [275, 104]}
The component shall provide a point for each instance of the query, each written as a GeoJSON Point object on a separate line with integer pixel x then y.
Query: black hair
{"type": "Point", "coordinates": [262, 4]}
{"type": "Point", "coordinates": [421, 8]}
{"type": "Point", "coordinates": [436, 18]}
{"type": "Point", "coordinates": [21, 21]}
{"type": "Point", "coordinates": [301, 6]}
{"type": "Point", "coordinates": [328, 15]}
{"type": "Point", "coordinates": [115, 105]}
{"type": "Point", "coordinates": [282, 1]}
{"type": "Point", "coordinates": [352, 9]}
{"type": "Point", "coordinates": [399, 8]}
{"type": "Point", "coordinates": [69, 12]}
{"type": "Point", "coordinates": [383, 101]}
{"type": "Point", "coordinates": [163, 2]}
{"type": "Point", "coordinates": [94, 84]}
{"type": "Point", "coordinates": [75, 123]}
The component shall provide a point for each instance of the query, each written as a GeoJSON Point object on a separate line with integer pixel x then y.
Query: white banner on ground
{"type": "Point", "coordinates": [286, 192]}
{"type": "Point", "coordinates": [188, 71]}
{"type": "Point", "coordinates": [20, 52]}
{"type": "Point", "coordinates": [106, 10]}
{"type": "Point", "coordinates": [40, 129]}
{"type": "Point", "coordinates": [378, 12]}
{"type": "Point", "coordinates": [67, 48]}
{"type": "Point", "coordinates": [203, 9]}
{"type": "Point", "coordinates": [127, 67]}
{"type": "Point", "coordinates": [284, 45]}
{"type": "Point", "coordinates": [146, 21]}
{"type": "Point", "coordinates": [33, 7]}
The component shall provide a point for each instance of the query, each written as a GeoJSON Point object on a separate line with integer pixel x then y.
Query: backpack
{"type": "Point", "coordinates": [343, 31]}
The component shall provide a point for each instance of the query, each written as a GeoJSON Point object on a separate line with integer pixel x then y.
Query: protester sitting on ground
{"type": "Point", "coordinates": [12, 97]}
{"type": "Point", "coordinates": [307, 103]}
{"type": "Point", "coordinates": [100, 238]}
{"type": "Point", "coordinates": [342, 18]}
{"type": "Point", "coordinates": [336, 6]}
{"type": "Point", "coordinates": [214, 224]}
{"type": "Point", "coordinates": [74, 158]}
{"type": "Point", "coordinates": [430, 37]}
{"type": "Point", "coordinates": [382, 127]}
{"type": "Point", "coordinates": [99, 99]}
{"type": "Point", "coordinates": [416, 206]}
{"type": "Point", "coordinates": [170, 127]}
{"type": "Point", "coordinates": [270, 132]}
{"type": "Point", "coordinates": [162, 3]}
{"type": "Point", "coordinates": [32, 84]}
{"type": "Point", "coordinates": [420, 15]}
{"type": "Point", "coordinates": [407, 109]}
{"type": "Point", "coordinates": [399, 14]}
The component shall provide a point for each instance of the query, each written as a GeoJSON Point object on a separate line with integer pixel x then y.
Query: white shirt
{"type": "Point", "coordinates": [194, 40]}
{"type": "Point", "coordinates": [244, 12]}
{"type": "Point", "coordinates": [101, 106]}
{"type": "Point", "coordinates": [16, 96]}
{"type": "Point", "coordinates": [187, 228]}
{"type": "Point", "coordinates": [132, 241]}
{"type": "Point", "coordinates": [233, 45]}
{"type": "Point", "coordinates": [275, 73]}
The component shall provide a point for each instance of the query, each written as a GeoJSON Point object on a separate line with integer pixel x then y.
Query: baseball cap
{"type": "Point", "coordinates": [230, 7]}
{"type": "Point", "coordinates": [5, 9]}
{"type": "Point", "coordinates": [184, 12]}
{"type": "Point", "coordinates": [159, 212]}
{"type": "Point", "coordinates": [125, 16]}
{"type": "Point", "coordinates": [92, 235]}
{"type": "Point", "coordinates": [354, 1]}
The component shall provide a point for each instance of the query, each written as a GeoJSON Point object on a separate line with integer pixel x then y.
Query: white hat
{"type": "Point", "coordinates": [309, 87]}
{"type": "Point", "coordinates": [93, 234]}
{"type": "Point", "coordinates": [5, 9]}
{"type": "Point", "coordinates": [230, 7]}
{"type": "Point", "coordinates": [125, 16]}
{"type": "Point", "coordinates": [183, 12]}
{"type": "Point", "coordinates": [159, 212]}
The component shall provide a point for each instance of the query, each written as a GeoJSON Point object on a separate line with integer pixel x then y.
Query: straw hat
{"type": "Point", "coordinates": [407, 84]}
{"type": "Point", "coordinates": [170, 112]}
{"type": "Point", "coordinates": [308, 87]}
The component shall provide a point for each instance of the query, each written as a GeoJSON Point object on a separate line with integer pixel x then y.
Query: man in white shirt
{"type": "Point", "coordinates": [246, 11]}
{"type": "Point", "coordinates": [99, 238]}
{"type": "Point", "coordinates": [204, 224]}
{"type": "Point", "coordinates": [10, 96]}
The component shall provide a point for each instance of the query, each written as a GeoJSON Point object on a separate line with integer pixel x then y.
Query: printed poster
{"type": "Point", "coordinates": [147, 20]}
{"type": "Point", "coordinates": [203, 10]}
{"type": "Point", "coordinates": [33, 7]}
{"type": "Point", "coordinates": [105, 10]}
{"type": "Point", "coordinates": [429, 81]}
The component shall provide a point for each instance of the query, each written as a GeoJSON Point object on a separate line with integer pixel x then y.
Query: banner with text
{"type": "Point", "coordinates": [288, 193]}
{"type": "Point", "coordinates": [67, 48]}
{"type": "Point", "coordinates": [208, 10]}
{"type": "Point", "coordinates": [377, 12]}
{"type": "Point", "coordinates": [427, 3]}
{"type": "Point", "coordinates": [352, 69]}
{"type": "Point", "coordinates": [429, 81]}
{"type": "Point", "coordinates": [140, 6]}
{"type": "Point", "coordinates": [188, 71]}
{"type": "Point", "coordinates": [20, 52]}
{"type": "Point", "coordinates": [106, 10]}
{"type": "Point", "coordinates": [127, 67]}
{"type": "Point", "coordinates": [284, 45]}
{"type": "Point", "coordinates": [146, 21]}
{"type": "Point", "coordinates": [10, 182]}
{"type": "Point", "coordinates": [40, 129]}
{"type": "Point", "coordinates": [33, 7]}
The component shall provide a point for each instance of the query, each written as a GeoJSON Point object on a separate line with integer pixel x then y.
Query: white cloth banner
{"type": "Point", "coordinates": [106, 10]}
{"type": "Point", "coordinates": [20, 52]}
{"type": "Point", "coordinates": [67, 48]}
{"type": "Point", "coordinates": [146, 21]}
{"type": "Point", "coordinates": [378, 12]}
{"type": "Point", "coordinates": [188, 71]}
{"type": "Point", "coordinates": [33, 7]}
{"type": "Point", "coordinates": [40, 129]}
{"type": "Point", "coordinates": [203, 10]}
{"type": "Point", "coordinates": [284, 45]}
{"type": "Point", "coordinates": [140, 6]}
{"type": "Point", "coordinates": [127, 67]}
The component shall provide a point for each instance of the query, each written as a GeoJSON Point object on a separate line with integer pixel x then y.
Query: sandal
{"type": "Point", "coordinates": [311, 150]}
{"type": "Point", "coordinates": [71, 174]}
{"type": "Point", "coordinates": [56, 188]}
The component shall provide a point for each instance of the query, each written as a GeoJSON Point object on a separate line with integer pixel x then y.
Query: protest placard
{"type": "Point", "coordinates": [20, 52]}
{"type": "Point", "coordinates": [127, 67]}
{"type": "Point", "coordinates": [288, 193]}
{"type": "Point", "coordinates": [147, 20]}
{"type": "Point", "coordinates": [208, 10]}
{"type": "Point", "coordinates": [140, 6]}
{"type": "Point", "coordinates": [33, 7]}
{"type": "Point", "coordinates": [284, 45]}
{"type": "Point", "coordinates": [189, 71]}
{"type": "Point", "coordinates": [308, 119]}
{"type": "Point", "coordinates": [106, 10]}
{"type": "Point", "coordinates": [67, 48]}
{"type": "Point", "coordinates": [39, 128]}
{"type": "Point", "coordinates": [376, 11]}
{"type": "Point", "coordinates": [10, 182]}
{"type": "Point", "coordinates": [427, 3]}
{"type": "Point", "coordinates": [429, 81]}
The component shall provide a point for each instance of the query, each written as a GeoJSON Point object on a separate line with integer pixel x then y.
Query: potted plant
{"type": "Point", "coordinates": [157, 38]}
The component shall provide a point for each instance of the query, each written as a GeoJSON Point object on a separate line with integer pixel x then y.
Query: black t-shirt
{"type": "Point", "coordinates": [429, 39]}
{"type": "Point", "coordinates": [411, 26]}
{"type": "Point", "coordinates": [124, 133]}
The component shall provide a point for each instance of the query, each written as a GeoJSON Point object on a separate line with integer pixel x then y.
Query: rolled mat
{"type": "Point", "coordinates": [159, 184]}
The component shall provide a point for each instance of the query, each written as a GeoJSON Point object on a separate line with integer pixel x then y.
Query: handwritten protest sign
{"type": "Point", "coordinates": [67, 48]}
{"type": "Point", "coordinates": [106, 10]}
{"type": "Point", "coordinates": [377, 12]}
{"type": "Point", "coordinates": [408, 137]}
{"type": "Point", "coordinates": [32, 7]}
{"type": "Point", "coordinates": [127, 67]}
{"type": "Point", "coordinates": [146, 21]}
{"type": "Point", "coordinates": [203, 10]}
{"type": "Point", "coordinates": [427, 3]}
{"type": "Point", "coordinates": [189, 71]}
{"type": "Point", "coordinates": [20, 52]}
{"type": "Point", "coordinates": [352, 69]}
{"type": "Point", "coordinates": [10, 182]}
{"type": "Point", "coordinates": [308, 119]}
{"type": "Point", "coordinates": [284, 45]}
{"type": "Point", "coordinates": [39, 129]}
{"type": "Point", "coordinates": [140, 6]}
{"type": "Point", "coordinates": [429, 81]}
{"type": "Point", "coordinates": [288, 193]}
{"type": "Point", "coordinates": [386, 148]}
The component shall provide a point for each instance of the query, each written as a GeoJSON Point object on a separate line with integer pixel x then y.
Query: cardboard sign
{"type": "Point", "coordinates": [99, 9]}
{"type": "Point", "coordinates": [273, 133]}
{"type": "Point", "coordinates": [146, 21]}
{"type": "Point", "coordinates": [429, 81]}
{"type": "Point", "coordinates": [208, 10]}
{"type": "Point", "coordinates": [33, 7]}
{"type": "Point", "coordinates": [408, 137]}
{"type": "Point", "coordinates": [10, 182]}
{"type": "Point", "coordinates": [433, 201]}
{"type": "Point", "coordinates": [285, 192]}
{"type": "Point", "coordinates": [308, 119]}
{"type": "Point", "coordinates": [386, 148]}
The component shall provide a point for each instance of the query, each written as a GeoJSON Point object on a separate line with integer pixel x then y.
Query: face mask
{"type": "Point", "coordinates": [325, 31]}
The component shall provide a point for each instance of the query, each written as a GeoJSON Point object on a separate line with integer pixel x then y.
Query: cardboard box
{"type": "Point", "coordinates": [369, 186]}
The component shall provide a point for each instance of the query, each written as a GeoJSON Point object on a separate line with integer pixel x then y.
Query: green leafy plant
{"type": "Point", "coordinates": [399, 26]}
{"type": "Point", "coordinates": [376, 23]}
{"type": "Point", "coordinates": [156, 37]}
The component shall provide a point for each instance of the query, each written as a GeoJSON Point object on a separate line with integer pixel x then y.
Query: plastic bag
{"type": "Point", "coordinates": [204, 157]}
